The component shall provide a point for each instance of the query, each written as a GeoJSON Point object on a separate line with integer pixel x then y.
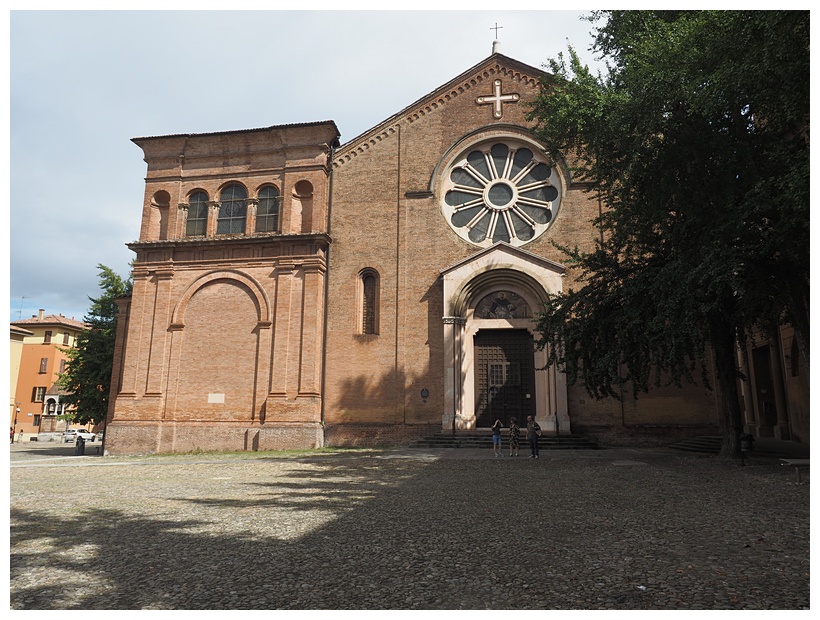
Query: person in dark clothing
{"type": "Point", "coordinates": [497, 438]}
{"type": "Point", "coordinates": [515, 433]}
{"type": "Point", "coordinates": [533, 433]}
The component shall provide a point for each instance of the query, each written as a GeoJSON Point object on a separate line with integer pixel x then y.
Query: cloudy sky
{"type": "Point", "coordinates": [83, 83]}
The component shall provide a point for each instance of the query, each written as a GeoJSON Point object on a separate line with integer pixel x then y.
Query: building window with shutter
{"type": "Point", "coordinates": [38, 394]}
{"type": "Point", "coordinates": [47, 338]}
{"type": "Point", "coordinates": [43, 365]}
{"type": "Point", "coordinates": [65, 339]}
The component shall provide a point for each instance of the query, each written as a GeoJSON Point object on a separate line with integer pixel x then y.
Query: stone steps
{"type": "Point", "coordinates": [710, 444]}
{"type": "Point", "coordinates": [483, 439]}
{"type": "Point", "coordinates": [707, 444]}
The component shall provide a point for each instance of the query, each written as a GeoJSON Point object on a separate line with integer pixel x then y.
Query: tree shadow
{"type": "Point", "coordinates": [388, 533]}
{"type": "Point", "coordinates": [395, 395]}
{"type": "Point", "coordinates": [116, 559]}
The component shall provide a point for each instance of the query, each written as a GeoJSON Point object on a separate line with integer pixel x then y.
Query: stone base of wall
{"type": "Point", "coordinates": [375, 435]}
{"type": "Point", "coordinates": [124, 438]}
{"type": "Point", "coordinates": [649, 435]}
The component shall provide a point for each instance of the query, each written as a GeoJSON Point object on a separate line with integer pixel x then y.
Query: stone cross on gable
{"type": "Point", "coordinates": [497, 99]}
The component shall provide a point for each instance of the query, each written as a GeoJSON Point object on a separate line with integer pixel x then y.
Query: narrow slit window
{"type": "Point", "coordinates": [369, 305]}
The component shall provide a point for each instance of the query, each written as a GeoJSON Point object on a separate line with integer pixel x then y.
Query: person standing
{"type": "Point", "coordinates": [496, 428]}
{"type": "Point", "coordinates": [515, 432]}
{"type": "Point", "coordinates": [533, 433]}
{"type": "Point", "coordinates": [11, 434]}
{"type": "Point", "coordinates": [20, 440]}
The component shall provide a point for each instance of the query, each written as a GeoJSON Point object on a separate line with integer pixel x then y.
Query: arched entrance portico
{"type": "Point", "coordinates": [490, 299]}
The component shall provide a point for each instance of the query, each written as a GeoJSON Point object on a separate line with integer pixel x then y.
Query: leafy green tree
{"type": "Point", "coordinates": [695, 139]}
{"type": "Point", "coordinates": [87, 375]}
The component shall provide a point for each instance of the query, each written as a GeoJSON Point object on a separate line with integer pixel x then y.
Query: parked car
{"type": "Point", "coordinates": [72, 434]}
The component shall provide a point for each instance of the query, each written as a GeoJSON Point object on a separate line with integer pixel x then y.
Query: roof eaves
{"type": "Point", "coordinates": [240, 131]}
{"type": "Point", "coordinates": [497, 57]}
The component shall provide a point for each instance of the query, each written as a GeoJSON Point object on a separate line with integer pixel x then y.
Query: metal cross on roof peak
{"type": "Point", "coordinates": [496, 28]}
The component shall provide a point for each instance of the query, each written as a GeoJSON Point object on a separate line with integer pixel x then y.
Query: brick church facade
{"type": "Point", "coordinates": [292, 292]}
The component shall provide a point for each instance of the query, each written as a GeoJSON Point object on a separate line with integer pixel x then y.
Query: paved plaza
{"type": "Point", "coordinates": [406, 529]}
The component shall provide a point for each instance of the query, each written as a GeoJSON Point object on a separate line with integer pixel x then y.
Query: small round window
{"type": "Point", "coordinates": [501, 191]}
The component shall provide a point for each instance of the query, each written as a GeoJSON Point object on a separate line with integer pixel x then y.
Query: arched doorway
{"type": "Point", "coordinates": [491, 367]}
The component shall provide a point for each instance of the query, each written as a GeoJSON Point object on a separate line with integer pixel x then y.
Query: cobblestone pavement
{"type": "Point", "coordinates": [406, 529]}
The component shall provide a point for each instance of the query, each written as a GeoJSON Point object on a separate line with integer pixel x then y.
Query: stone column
{"type": "Point", "coordinates": [250, 215]}
{"type": "Point", "coordinates": [453, 380]}
{"type": "Point", "coordinates": [182, 220]}
{"type": "Point", "coordinates": [213, 216]}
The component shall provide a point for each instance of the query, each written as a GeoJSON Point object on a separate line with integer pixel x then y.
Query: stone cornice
{"type": "Point", "coordinates": [238, 174]}
{"type": "Point", "coordinates": [189, 242]}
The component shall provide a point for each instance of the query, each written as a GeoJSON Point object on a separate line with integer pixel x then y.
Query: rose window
{"type": "Point", "coordinates": [503, 191]}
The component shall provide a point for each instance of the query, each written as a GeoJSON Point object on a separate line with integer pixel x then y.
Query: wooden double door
{"type": "Point", "coordinates": [505, 376]}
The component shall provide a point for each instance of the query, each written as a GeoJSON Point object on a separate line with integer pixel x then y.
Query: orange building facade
{"type": "Point", "coordinates": [37, 398]}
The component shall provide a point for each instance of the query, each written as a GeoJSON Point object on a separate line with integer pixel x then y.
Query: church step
{"type": "Point", "coordinates": [707, 444]}
{"type": "Point", "coordinates": [480, 439]}
{"type": "Point", "coordinates": [710, 444]}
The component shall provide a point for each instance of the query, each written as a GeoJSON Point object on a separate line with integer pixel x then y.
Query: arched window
{"type": "Point", "coordinates": [197, 222]}
{"type": "Point", "coordinates": [267, 214]}
{"type": "Point", "coordinates": [232, 210]}
{"type": "Point", "coordinates": [369, 307]}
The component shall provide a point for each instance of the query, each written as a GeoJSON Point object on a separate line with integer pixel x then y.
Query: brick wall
{"type": "Point", "coordinates": [374, 435]}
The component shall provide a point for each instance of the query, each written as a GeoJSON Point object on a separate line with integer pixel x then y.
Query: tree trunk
{"type": "Point", "coordinates": [800, 322]}
{"type": "Point", "coordinates": [723, 341]}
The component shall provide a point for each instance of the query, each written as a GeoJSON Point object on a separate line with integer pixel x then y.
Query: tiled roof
{"type": "Point", "coordinates": [56, 390]}
{"type": "Point", "coordinates": [236, 131]}
{"type": "Point", "coordinates": [51, 319]}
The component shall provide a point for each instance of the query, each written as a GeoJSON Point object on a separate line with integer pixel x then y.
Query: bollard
{"type": "Point", "coordinates": [80, 449]}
